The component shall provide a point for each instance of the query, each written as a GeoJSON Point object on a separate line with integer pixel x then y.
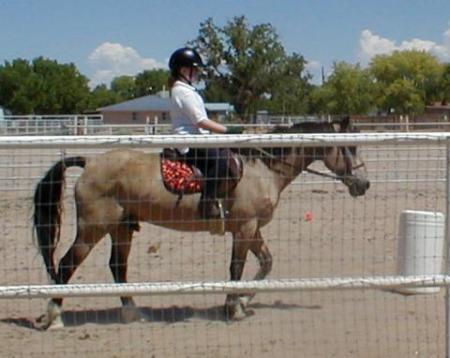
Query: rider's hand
{"type": "Point", "coordinates": [235, 130]}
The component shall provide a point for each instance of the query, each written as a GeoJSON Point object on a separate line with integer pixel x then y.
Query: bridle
{"type": "Point", "coordinates": [348, 156]}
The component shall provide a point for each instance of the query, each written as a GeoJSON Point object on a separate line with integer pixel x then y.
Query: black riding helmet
{"type": "Point", "coordinates": [184, 57]}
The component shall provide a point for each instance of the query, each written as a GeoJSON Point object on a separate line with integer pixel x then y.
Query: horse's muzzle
{"type": "Point", "coordinates": [356, 185]}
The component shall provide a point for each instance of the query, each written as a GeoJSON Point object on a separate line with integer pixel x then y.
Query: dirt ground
{"type": "Point", "coordinates": [346, 237]}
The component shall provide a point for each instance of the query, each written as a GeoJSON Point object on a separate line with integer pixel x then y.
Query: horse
{"type": "Point", "coordinates": [121, 188]}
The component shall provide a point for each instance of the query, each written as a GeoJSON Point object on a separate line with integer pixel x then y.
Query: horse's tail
{"type": "Point", "coordinates": [47, 210]}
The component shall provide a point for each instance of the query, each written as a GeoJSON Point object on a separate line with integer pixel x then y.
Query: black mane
{"type": "Point", "coordinates": [303, 127]}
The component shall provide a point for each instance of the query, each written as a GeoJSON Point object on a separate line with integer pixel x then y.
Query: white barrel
{"type": "Point", "coordinates": [420, 246]}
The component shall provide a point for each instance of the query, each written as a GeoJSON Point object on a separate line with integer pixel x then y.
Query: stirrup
{"type": "Point", "coordinates": [217, 225]}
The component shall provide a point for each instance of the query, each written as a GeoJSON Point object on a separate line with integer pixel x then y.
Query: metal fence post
{"type": "Point", "coordinates": [447, 250]}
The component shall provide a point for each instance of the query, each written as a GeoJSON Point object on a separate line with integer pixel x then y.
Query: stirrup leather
{"type": "Point", "coordinates": [217, 225]}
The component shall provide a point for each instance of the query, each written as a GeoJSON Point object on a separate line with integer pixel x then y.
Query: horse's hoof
{"type": "Point", "coordinates": [48, 323]}
{"type": "Point", "coordinates": [234, 313]}
{"type": "Point", "coordinates": [235, 309]}
{"type": "Point", "coordinates": [56, 324]}
{"type": "Point", "coordinates": [52, 319]}
{"type": "Point", "coordinates": [132, 314]}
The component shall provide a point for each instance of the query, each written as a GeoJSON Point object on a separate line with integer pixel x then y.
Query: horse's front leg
{"type": "Point", "coordinates": [262, 253]}
{"type": "Point", "coordinates": [242, 241]}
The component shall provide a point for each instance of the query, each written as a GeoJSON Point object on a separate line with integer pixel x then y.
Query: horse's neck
{"type": "Point", "coordinates": [286, 169]}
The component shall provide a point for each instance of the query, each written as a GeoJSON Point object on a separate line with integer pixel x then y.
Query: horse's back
{"type": "Point", "coordinates": [116, 170]}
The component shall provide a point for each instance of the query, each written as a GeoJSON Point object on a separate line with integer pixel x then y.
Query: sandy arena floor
{"type": "Point", "coordinates": [347, 237]}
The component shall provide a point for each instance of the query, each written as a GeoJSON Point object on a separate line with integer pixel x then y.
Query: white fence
{"type": "Point", "coordinates": [50, 124]}
{"type": "Point", "coordinates": [304, 309]}
{"type": "Point", "coordinates": [94, 125]}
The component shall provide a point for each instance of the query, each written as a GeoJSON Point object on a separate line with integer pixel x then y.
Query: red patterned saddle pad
{"type": "Point", "coordinates": [180, 178]}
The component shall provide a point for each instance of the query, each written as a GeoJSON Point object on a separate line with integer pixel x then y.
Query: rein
{"type": "Point", "coordinates": [316, 172]}
{"type": "Point", "coordinates": [323, 174]}
{"type": "Point", "coordinates": [338, 177]}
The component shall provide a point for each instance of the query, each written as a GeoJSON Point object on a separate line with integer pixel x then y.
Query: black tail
{"type": "Point", "coordinates": [47, 210]}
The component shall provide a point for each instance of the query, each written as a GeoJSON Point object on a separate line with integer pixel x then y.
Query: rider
{"type": "Point", "coordinates": [189, 117]}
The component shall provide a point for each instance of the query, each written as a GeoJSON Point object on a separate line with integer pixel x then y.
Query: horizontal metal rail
{"type": "Point", "coordinates": [169, 288]}
{"type": "Point", "coordinates": [236, 141]}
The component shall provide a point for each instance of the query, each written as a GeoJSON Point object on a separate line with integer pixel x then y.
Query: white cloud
{"type": "Point", "coordinates": [371, 45]}
{"type": "Point", "coordinates": [110, 60]}
{"type": "Point", "coordinates": [313, 65]}
{"type": "Point", "coordinates": [315, 69]}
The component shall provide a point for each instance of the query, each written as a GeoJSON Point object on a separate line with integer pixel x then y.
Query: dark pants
{"type": "Point", "coordinates": [213, 164]}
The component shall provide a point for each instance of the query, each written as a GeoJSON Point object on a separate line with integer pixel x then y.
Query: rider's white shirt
{"type": "Point", "coordinates": [187, 110]}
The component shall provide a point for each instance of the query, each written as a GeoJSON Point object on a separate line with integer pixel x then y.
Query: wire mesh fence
{"type": "Point", "coordinates": [318, 231]}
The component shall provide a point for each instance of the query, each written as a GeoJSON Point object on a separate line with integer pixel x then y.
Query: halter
{"type": "Point", "coordinates": [345, 152]}
{"type": "Point", "coordinates": [347, 155]}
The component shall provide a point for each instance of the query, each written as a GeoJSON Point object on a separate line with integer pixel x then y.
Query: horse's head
{"type": "Point", "coordinates": [345, 161]}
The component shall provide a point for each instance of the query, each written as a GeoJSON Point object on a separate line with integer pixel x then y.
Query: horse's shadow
{"type": "Point", "coordinates": [171, 314]}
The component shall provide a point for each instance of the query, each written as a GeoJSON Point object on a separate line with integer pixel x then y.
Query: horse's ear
{"type": "Point", "coordinates": [345, 123]}
{"type": "Point", "coordinates": [342, 124]}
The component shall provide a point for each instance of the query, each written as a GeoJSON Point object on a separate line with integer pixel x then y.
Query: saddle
{"type": "Point", "coordinates": [181, 178]}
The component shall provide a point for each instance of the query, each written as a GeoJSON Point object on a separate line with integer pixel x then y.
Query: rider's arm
{"type": "Point", "coordinates": [193, 107]}
{"type": "Point", "coordinates": [212, 126]}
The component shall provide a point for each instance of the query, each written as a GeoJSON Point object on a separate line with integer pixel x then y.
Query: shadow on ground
{"type": "Point", "coordinates": [171, 314]}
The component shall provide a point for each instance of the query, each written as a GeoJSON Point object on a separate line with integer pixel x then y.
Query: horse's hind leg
{"type": "Point", "coordinates": [80, 249]}
{"type": "Point", "coordinates": [121, 236]}
{"type": "Point", "coordinates": [94, 219]}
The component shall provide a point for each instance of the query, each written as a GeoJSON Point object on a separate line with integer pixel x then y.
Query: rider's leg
{"type": "Point", "coordinates": [216, 174]}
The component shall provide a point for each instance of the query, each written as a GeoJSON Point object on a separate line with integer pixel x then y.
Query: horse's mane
{"type": "Point", "coordinates": [278, 152]}
{"type": "Point", "coordinates": [305, 127]}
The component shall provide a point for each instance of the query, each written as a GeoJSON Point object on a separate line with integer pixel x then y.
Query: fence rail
{"type": "Point", "coordinates": [224, 287]}
{"type": "Point", "coordinates": [94, 125]}
{"type": "Point", "coordinates": [351, 249]}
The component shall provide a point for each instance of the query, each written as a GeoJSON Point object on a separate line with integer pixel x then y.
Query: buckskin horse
{"type": "Point", "coordinates": [120, 188]}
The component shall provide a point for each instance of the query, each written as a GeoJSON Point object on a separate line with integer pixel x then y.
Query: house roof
{"type": "Point", "coordinates": [155, 103]}
{"type": "Point", "coordinates": [147, 103]}
{"type": "Point", "coordinates": [439, 105]}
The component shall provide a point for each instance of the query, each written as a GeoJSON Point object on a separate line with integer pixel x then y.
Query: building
{"type": "Point", "coordinates": [154, 109]}
{"type": "Point", "coordinates": [439, 110]}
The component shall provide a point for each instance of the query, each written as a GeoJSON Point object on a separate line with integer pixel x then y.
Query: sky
{"type": "Point", "coordinates": [110, 38]}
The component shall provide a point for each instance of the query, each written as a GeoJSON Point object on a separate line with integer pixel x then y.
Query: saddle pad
{"type": "Point", "coordinates": [179, 177]}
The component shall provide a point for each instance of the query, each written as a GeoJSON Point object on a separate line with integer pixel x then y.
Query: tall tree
{"type": "Point", "coordinates": [124, 87]}
{"type": "Point", "coordinates": [289, 93]}
{"type": "Point", "coordinates": [102, 96]}
{"type": "Point", "coordinates": [42, 87]}
{"type": "Point", "coordinates": [411, 76]}
{"type": "Point", "coordinates": [151, 82]}
{"type": "Point", "coordinates": [348, 90]}
{"type": "Point", "coordinates": [244, 62]}
{"type": "Point", "coordinates": [18, 86]}
{"type": "Point", "coordinates": [445, 84]}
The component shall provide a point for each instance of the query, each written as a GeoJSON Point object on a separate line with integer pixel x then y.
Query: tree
{"type": "Point", "coordinates": [445, 84]}
{"type": "Point", "coordinates": [416, 71]}
{"type": "Point", "coordinates": [289, 94]}
{"type": "Point", "coordinates": [404, 97]}
{"type": "Point", "coordinates": [102, 96]}
{"type": "Point", "coordinates": [18, 86]}
{"type": "Point", "coordinates": [151, 82]}
{"type": "Point", "coordinates": [245, 64]}
{"type": "Point", "coordinates": [124, 87]}
{"type": "Point", "coordinates": [348, 90]}
{"type": "Point", "coordinates": [42, 87]}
